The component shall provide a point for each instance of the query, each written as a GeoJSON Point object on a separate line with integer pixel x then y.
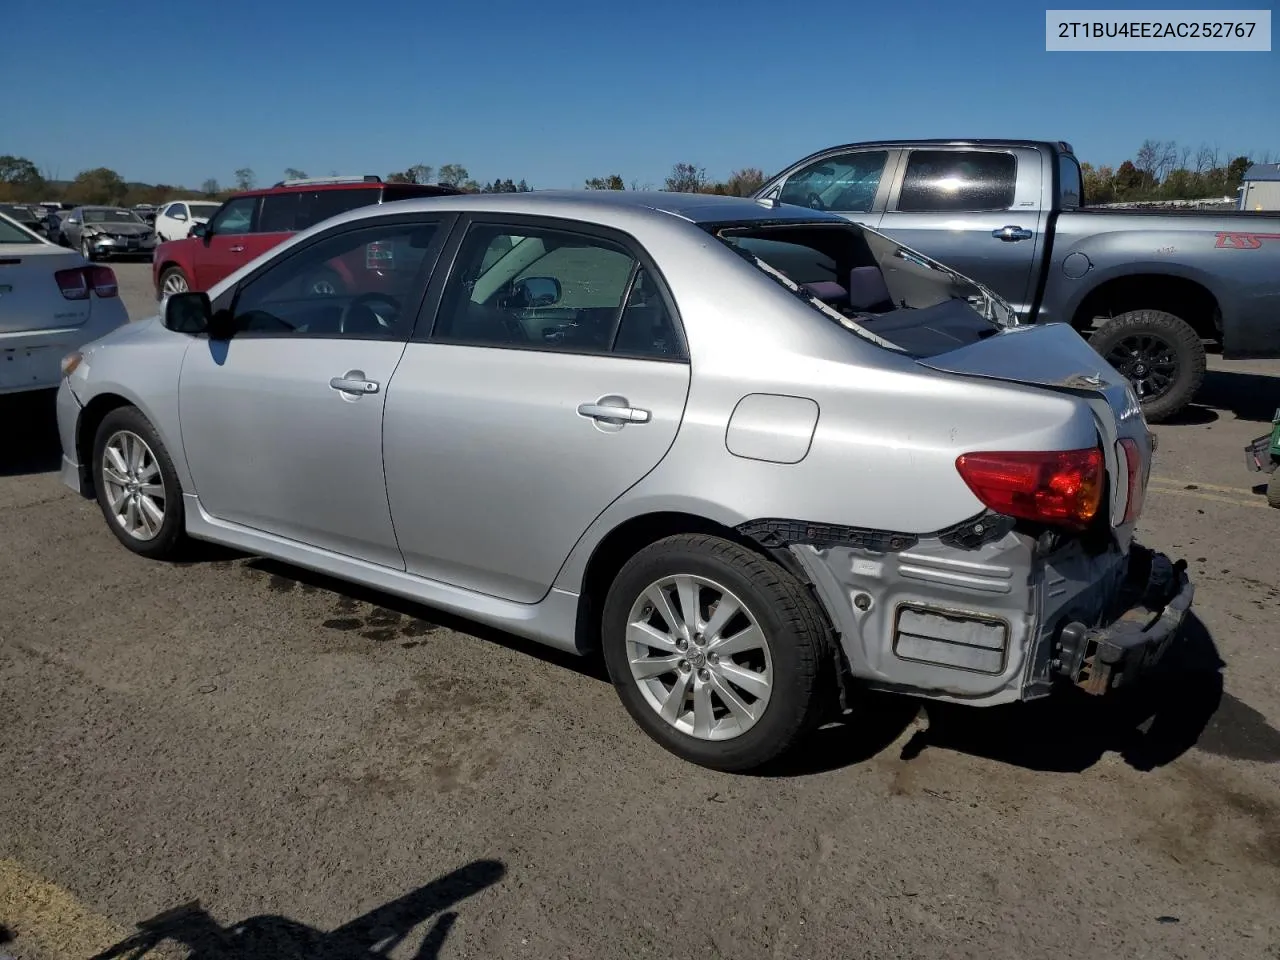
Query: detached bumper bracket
{"type": "Point", "coordinates": [1116, 655]}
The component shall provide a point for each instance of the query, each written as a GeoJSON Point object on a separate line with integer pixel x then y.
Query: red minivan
{"type": "Point", "coordinates": [250, 223]}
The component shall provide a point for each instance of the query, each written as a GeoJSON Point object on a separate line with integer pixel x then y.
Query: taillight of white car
{"type": "Point", "coordinates": [77, 282]}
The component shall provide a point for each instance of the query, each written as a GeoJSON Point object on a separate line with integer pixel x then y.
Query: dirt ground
{"type": "Point", "coordinates": [308, 769]}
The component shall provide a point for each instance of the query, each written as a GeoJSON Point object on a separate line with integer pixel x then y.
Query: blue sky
{"type": "Point", "coordinates": [178, 91]}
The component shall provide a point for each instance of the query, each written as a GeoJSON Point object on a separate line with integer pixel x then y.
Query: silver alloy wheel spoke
{"type": "Point", "coordinates": [133, 485]}
{"type": "Point", "coordinates": [699, 657]}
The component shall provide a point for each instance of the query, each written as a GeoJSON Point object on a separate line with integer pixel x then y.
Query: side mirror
{"type": "Point", "coordinates": [200, 230]}
{"type": "Point", "coordinates": [537, 291]}
{"type": "Point", "coordinates": [72, 220]}
{"type": "Point", "coordinates": [179, 216]}
{"type": "Point", "coordinates": [190, 312]}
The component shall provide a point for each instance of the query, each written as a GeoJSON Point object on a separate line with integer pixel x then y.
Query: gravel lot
{"type": "Point", "coordinates": [317, 769]}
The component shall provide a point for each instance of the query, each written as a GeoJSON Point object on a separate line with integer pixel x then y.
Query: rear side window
{"type": "Point", "coordinates": [958, 180]}
{"type": "Point", "coordinates": [319, 205]}
{"type": "Point", "coordinates": [1070, 188]}
{"type": "Point", "coordinates": [11, 233]}
{"type": "Point", "coordinates": [279, 212]}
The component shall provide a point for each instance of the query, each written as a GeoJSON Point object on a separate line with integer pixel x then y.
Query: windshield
{"type": "Point", "coordinates": [203, 210]}
{"type": "Point", "coordinates": [110, 216]}
{"type": "Point", "coordinates": [10, 232]}
{"type": "Point", "coordinates": [872, 285]}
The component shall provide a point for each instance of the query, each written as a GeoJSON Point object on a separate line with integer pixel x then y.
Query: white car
{"type": "Point", "coordinates": [52, 302]}
{"type": "Point", "coordinates": [175, 220]}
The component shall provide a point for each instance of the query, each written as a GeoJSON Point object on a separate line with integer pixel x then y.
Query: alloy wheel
{"type": "Point", "coordinates": [1147, 361]}
{"type": "Point", "coordinates": [134, 486]}
{"type": "Point", "coordinates": [173, 283]}
{"type": "Point", "coordinates": [699, 657]}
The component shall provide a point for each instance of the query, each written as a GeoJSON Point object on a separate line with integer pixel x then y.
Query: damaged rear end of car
{"type": "Point", "coordinates": [1044, 584]}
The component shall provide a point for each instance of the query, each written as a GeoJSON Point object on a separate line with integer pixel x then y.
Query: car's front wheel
{"type": "Point", "coordinates": [86, 250]}
{"type": "Point", "coordinates": [719, 654]}
{"type": "Point", "coordinates": [137, 486]}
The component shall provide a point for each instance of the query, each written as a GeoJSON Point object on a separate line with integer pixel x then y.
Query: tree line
{"type": "Point", "coordinates": [1160, 170]}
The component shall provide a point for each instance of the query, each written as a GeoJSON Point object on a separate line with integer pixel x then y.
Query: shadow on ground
{"type": "Point", "coordinates": [1250, 396]}
{"type": "Point", "coordinates": [1180, 706]}
{"type": "Point", "coordinates": [269, 937]}
{"type": "Point", "coordinates": [31, 434]}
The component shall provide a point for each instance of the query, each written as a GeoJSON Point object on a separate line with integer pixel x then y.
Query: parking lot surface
{"type": "Point", "coordinates": [315, 770]}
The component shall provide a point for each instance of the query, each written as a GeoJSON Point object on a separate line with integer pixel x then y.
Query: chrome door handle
{"type": "Point", "coordinates": [610, 413]}
{"type": "Point", "coordinates": [1012, 234]}
{"type": "Point", "coordinates": [350, 384]}
{"type": "Point", "coordinates": [238, 248]}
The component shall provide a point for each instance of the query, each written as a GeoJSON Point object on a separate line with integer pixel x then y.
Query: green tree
{"type": "Point", "coordinates": [101, 185]}
{"type": "Point", "coordinates": [418, 173]}
{"type": "Point", "coordinates": [454, 175]}
{"type": "Point", "coordinates": [612, 182]}
{"type": "Point", "coordinates": [293, 173]}
{"type": "Point", "coordinates": [686, 178]}
{"type": "Point", "coordinates": [20, 180]}
{"type": "Point", "coordinates": [210, 187]}
{"type": "Point", "coordinates": [745, 182]}
{"type": "Point", "coordinates": [245, 178]}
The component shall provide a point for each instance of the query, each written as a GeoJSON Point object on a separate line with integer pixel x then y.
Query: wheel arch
{"type": "Point", "coordinates": [1185, 298]}
{"type": "Point", "coordinates": [635, 533]}
{"type": "Point", "coordinates": [94, 412]}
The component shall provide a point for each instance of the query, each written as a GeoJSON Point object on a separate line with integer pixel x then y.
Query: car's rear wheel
{"type": "Point", "coordinates": [1161, 356]}
{"type": "Point", "coordinates": [172, 281]}
{"type": "Point", "coordinates": [137, 486]}
{"type": "Point", "coordinates": [716, 652]}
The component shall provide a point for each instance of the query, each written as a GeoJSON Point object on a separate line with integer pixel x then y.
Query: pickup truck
{"type": "Point", "coordinates": [1148, 289]}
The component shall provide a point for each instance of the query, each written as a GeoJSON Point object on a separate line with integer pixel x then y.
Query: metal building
{"type": "Point", "coordinates": [1260, 187]}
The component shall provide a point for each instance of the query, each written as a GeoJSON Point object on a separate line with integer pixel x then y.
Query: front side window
{"type": "Point", "coordinates": [958, 181]}
{"type": "Point", "coordinates": [178, 210]}
{"type": "Point", "coordinates": [363, 284]}
{"type": "Point", "coordinates": [847, 182]}
{"type": "Point", "coordinates": [236, 216]}
{"type": "Point", "coordinates": [535, 288]}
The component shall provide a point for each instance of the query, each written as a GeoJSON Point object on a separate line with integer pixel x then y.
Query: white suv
{"type": "Point", "coordinates": [176, 219]}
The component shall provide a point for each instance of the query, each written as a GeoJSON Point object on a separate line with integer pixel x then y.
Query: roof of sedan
{"type": "Point", "coordinates": [694, 207]}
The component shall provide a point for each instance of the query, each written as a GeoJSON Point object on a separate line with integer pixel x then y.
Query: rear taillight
{"type": "Point", "coordinates": [1061, 487]}
{"type": "Point", "coordinates": [103, 281]}
{"type": "Point", "coordinates": [1137, 486]}
{"type": "Point", "coordinates": [76, 283]}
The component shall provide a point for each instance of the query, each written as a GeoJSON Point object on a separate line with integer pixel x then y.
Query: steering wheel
{"type": "Point", "coordinates": [815, 201]}
{"type": "Point", "coordinates": [363, 301]}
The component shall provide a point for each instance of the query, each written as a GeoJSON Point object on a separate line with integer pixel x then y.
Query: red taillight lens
{"type": "Point", "coordinates": [1137, 484]}
{"type": "Point", "coordinates": [74, 284]}
{"type": "Point", "coordinates": [1062, 487]}
{"type": "Point", "coordinates": [103, 281]}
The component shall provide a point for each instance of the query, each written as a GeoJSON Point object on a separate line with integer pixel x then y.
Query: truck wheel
{"type": "Point", "coordinates": [718, 654]}
{"type": "Point", "coordinates": [1161, 356]}
{"type": "Point", "coordinates": [1273, 491]}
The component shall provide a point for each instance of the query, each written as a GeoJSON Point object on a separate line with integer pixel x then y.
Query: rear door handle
{"type": "Point", "coordinates": [1011, 234]}
{"type": "Point", "coordinates": [353, 384]}
{"type": "Point", "coordinates": [238, 248]}
{"type": "Point", "coordinates": [612, 413]}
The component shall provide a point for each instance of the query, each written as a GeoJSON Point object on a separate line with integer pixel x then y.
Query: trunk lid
{"type": "Point", "coordinates": [1055, 357]}
{"type": "Point", "coordinates": [29, 296]}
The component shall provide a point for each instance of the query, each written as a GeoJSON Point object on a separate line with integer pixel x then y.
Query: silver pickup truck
{"type": "Point", "coordinates": [1148, 288]}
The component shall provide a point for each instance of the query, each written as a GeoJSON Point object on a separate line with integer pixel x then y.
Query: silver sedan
{"type": "Point", "coordinates": [761, 457]}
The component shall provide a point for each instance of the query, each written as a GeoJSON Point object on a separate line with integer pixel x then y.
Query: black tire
{"type": "Point", "coordinates": [1273, 492]}
{"type": "Point", "coordinates": [799, 640]}
{"type": "Point", "coordinates": [1116, 336]}
{"type": "Point", "coordinates": [171, 539]}
{"type": "Point", "coordinates": [171, 272]}
{"type": "Point", "coordinates": [86, 251]}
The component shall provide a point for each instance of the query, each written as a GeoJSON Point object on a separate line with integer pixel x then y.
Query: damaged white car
{"type": "Point", "coordinates": [762, 456]}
